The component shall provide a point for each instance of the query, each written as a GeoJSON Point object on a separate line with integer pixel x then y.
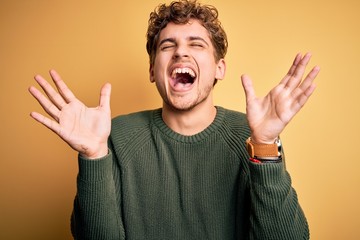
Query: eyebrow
{"type": "Point", "coordinates": [191, 38]}
{"type": "Point", "coordinates": [197, 38]}
{"type": "Point", "coordinates": [171, 40]}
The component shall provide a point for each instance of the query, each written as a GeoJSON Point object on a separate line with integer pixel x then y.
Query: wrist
{"type": "Point", "coordinates": [102, 151]}
{"type": "Point", "coordinates": [259, 140]}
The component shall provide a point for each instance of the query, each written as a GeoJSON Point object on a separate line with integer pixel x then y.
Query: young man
{"type": "Point", "coordinates": [189, 170]}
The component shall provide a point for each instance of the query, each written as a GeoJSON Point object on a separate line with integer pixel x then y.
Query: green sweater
{"type": "Point", "coordinates": [158, 184]}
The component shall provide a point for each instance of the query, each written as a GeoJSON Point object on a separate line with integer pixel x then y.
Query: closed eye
{"type": "Point", "coordinates": [199, 45]}
{"type": "Point", "coordinates": [166, 46]}
{"type": "Point", "coordinates": [199, 42]}
{"type": "Point", "coordinates": [167, 43]}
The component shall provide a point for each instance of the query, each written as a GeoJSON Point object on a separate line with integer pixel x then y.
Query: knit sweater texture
{"type": "Point", "coordinates": [158, 184]}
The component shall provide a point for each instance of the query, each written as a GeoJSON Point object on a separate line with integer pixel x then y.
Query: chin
{"type": "Point", "coordinates": [182, 106]}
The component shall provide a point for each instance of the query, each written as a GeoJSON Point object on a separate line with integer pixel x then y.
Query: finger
{"type": "Point", "coordinates": [309, 79]}
{"type": "Point", "coordinates": [305, 89]}
{"type": "Point", "coordinates": [47, 122]}
{"type": "Point", "coordinates": [63, 89]}
{"type": "Point", "coordinates": [47, 105]}
{"type": "Point", "coordinates": [54, 96]}
{"type": "Point", "coordinates": [292, 69]}
{"type": "Point", "coordinates": [303, 97]}
{"type": "Point", "coordinates": [105, 94]}
{"type": "Point", "coordinates": [248, 87]}
{"type": "Point", "coordinates": [298, 74]}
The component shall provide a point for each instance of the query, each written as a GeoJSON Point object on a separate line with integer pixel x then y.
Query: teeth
{"type": "Point", "coordinates": [183, 70]}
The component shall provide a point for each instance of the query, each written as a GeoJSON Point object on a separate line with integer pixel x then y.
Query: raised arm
{"type": "Point", "coordinates": [85, 129]}
{"type": "Point", "coordinates": [275, 211]}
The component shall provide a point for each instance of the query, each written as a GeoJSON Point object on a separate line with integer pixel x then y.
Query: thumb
{"type": "Point", "coordinates": [248, 87]}
{"type": "Point", "coordinates": [105, 96]}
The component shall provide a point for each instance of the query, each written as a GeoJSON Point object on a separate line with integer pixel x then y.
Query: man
{"type": "Point", "coordinates": [189, 170]}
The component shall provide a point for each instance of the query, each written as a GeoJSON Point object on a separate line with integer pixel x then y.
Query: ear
{"type": "Point", "coordinates": [151, 73]}
{"type": "Point", "coordinates": [220, 69]}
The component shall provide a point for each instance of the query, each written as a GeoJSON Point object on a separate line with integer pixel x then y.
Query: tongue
{"type": "Point", "coordinates": [182, 83]}
{"type": "Point", "coordinates": [182, 79]}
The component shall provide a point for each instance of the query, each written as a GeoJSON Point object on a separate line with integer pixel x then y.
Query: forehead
{"type": "Point", "coordinates": [184, 31]}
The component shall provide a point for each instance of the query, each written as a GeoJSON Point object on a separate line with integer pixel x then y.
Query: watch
{"type": "Point", "coordinates": [257, 150]}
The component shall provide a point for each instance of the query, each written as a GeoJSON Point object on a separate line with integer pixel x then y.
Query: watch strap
{"type": "Point", "coordinates": [263, 150]}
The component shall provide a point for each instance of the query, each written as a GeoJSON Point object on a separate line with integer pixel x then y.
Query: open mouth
{"type": "Point", "coordinates": [183, 77]}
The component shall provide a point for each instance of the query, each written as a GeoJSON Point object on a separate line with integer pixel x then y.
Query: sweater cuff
{"type": "Point", "coordinates": [268, 174]}
{"type": "Point", "coordinates": [95, 169]}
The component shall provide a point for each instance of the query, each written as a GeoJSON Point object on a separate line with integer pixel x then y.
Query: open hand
{"type": "Point", "coordinates": [269, 115]}
{"type": "Point", "coordinates": [85, 129]}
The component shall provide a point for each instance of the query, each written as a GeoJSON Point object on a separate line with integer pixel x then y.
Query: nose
{"type": "Point", "coordinates": [181, 51]}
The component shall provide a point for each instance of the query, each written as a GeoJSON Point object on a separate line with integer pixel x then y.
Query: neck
{"type": "Point", "coordinates": [189, 122]}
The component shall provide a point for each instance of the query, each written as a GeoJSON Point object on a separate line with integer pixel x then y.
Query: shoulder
{"type": "Point", "coordinates": [235, 121]}
{"type": "Point", "coordinates": [236, 116]}
{"type": "Point", "coordinates": [133, 119]}
{"type": "Point", "coordinates": [235, 130]}
{"type": "Point", "coordinates": [131, 126]}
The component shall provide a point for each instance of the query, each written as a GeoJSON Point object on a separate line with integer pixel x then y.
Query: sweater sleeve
{"type": "Point", "coordinates": [96, 212]}
{"type": "Point", "coordinates": [275, 210]}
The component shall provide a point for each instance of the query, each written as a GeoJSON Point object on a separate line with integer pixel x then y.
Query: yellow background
{"type": "Point", "coordinates": [93, 42]}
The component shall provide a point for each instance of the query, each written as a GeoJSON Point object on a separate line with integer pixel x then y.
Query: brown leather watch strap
{"type": "Point", "coordinates": [262, 150]}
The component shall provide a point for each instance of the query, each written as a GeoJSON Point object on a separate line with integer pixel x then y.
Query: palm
{"type": "Point", "coordinates": [80, 126]}
{"type": "Point", "coordinates": [85, 129]}
{"type": "Point", "coordinates": [269, 115]}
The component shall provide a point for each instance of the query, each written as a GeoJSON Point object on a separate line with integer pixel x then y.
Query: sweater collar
{"type": "Point", "coordinates": [160, 124]}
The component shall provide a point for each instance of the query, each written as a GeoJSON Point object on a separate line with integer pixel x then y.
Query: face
{"type": "Point", "coordinates": [185, 68]}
